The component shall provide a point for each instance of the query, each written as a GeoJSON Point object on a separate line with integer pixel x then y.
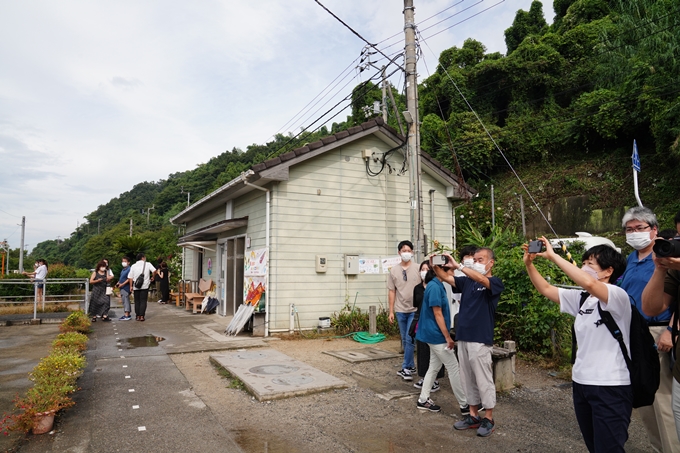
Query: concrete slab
{"type": "Point", "coordinates": [269, 374]}
{"type": "Point", "coordinates": [363, 355]}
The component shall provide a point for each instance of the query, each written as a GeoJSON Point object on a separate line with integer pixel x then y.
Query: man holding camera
{"type": "Point", "coordinates": [641, 228]}
{"type": "Point", "coordinates": [480, 294]}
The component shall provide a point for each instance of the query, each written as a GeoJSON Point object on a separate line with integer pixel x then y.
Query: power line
{"type": "Point", "coordinates": [352, 30]}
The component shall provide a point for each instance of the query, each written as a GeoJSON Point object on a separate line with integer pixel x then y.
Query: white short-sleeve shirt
{"type": "Point", "coordinates": [599, 360]}
{"type": "Point", "coordinates": [136, 270]}
{"type": "Point", "coordinates": [41, 272]}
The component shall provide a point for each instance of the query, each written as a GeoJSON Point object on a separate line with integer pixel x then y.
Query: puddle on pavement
{"type": "Point", "coordinates": [252, 441]}
{"type": "Point", "coordinates": [147, 341]}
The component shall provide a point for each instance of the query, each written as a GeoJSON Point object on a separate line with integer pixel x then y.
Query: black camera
{"type": "Point", "coordinates": [665, 248]}
{"type": "Point", "coordinates": [535, 247]}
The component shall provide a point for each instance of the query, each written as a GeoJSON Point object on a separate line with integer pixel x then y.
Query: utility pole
{"type": "Point", "coordinates": [415, 190]}
{"type": "Point", "coordinates": [5, 246]}
{"type": "Point", "coordinates": [147, 213]}
{"type": "Point", "coordinates": [384, 96]}
{"type": "Point", "coordinates": [21, 244]}
{"type": "Point", "coordinates": [130, 227]}
{"type": "Point", "coordinates": [99, 222]}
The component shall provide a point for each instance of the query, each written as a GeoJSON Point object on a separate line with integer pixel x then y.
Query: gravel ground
{"type": "Point", "coordinates": [537, 416]}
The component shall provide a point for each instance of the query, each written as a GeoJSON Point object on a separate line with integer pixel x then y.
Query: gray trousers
{"type": "Point", "coordinates": [125, 297]}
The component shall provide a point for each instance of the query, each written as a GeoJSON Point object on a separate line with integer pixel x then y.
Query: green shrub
{"type": "Point", "coordinates": [70, 342]}
{"type": "Point", "coordinates": [77, 321]}
{"type": "Point", "coordinates": [351, 319]}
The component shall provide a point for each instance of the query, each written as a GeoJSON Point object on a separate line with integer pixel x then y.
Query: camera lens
{"type": "Point", "coordinates": [667, 249]}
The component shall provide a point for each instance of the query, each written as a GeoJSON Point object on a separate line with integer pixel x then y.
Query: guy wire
{"type": "Point", "coordinates": [563, 246]}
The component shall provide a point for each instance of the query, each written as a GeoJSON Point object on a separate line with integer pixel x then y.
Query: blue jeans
{"type": "Point", "coordinates": [404, 320]}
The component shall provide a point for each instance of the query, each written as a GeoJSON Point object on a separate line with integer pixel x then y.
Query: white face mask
{"type": "Point", "coordinates": [590, 271]}
{"type": "Point", "coordinates": [406, 256]}
{"type": "Point", "coordinates": [638, 240]}
{"type": "Point", "coordinates": [479, 267]}
{"type": "Point", "coordinates": [469, 263]}
{"type": "Point", "coordinates": [124, 264]}
{"type": "Point", "coordinates": [423, 274]}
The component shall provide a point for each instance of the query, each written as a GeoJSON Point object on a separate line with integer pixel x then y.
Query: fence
{"type": "Point", "coordinates": [22, 293]}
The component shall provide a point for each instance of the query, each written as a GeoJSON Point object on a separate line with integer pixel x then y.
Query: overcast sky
{"type": "Point", "coordinates": [96, 96]}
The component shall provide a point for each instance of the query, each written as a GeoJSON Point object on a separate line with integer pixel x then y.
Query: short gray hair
{"type": "Point", "coordinates": [642, 214]}
{"type": "Point", "coordinates": [490, 253]}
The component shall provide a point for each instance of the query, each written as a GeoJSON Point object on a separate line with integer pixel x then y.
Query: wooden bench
{"type": "Point", "coordinates": [182, 289]}
{"type": "Point", "coordinates": [194, 300]}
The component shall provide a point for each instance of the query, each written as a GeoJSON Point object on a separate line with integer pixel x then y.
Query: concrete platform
{"type": "Point", "coordinates": [269, 374]}
{"type": "Point", "coordinates": [363, 355]}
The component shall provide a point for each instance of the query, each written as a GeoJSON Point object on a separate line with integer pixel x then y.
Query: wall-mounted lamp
{"type": "Point", "coordinates": [408, 117]}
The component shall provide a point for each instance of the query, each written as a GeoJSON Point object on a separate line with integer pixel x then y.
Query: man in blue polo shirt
{"type": "Point", "coordinates": [476, 318]}
{"type": "Point", "coordinates": [641, 228]}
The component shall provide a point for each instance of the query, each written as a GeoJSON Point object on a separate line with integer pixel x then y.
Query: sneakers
{"type": "Point", "coordinates": [428, 406]}
{"type": "Point", "coordinates": [411, 369]}
{"type": "Point", "coordinates": [486, 428]}
{"type": "Point", "coordinates": [405, 374]}
{"type": "Point", "coordinates": [435, 386]}
{"type": "Point", "coordinates": [465, 410]}
{"type": "Point", "coordinates": [125, 318]}
{"type": "Point", "coordinates": [469, 422]}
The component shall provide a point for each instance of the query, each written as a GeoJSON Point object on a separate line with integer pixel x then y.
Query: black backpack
{"type": "Point", "coordinates": [643, 361]}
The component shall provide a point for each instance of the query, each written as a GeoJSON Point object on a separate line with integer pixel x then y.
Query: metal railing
{"type": "Point", "coordinates": [81, 299]}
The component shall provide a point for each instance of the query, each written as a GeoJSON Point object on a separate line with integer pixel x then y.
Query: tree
{"type": "Point", "coordinates": [525, 24]}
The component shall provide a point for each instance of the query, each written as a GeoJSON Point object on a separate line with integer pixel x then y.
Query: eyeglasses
{"type": "Point", "coordinates": [403, 273]}
{"type": "Point", "coordinates": [637, 229]}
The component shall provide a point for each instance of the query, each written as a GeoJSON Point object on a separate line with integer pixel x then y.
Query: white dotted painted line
{"type": "Point", "coordinates": [131, 390]}
{"type": "Point", "coordinates": [135, 407]}
{"type": "Point", "coordinates": [128, 377]}
{"type": "Point", "coordinates": [141, 428]}
{"type": "Point", "coordinates": [124, 366]}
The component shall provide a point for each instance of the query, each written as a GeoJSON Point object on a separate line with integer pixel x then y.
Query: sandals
{"type": "Point", "coordinates": [141, 318]}
{"type": "Point", "coordinates": [94, 319]}
{"type": "Point", "coordinates": [106, 319]}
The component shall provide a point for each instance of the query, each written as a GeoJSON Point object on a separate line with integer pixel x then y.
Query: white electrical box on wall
{"type": "Point", "coordinates": [321, 263]}
{"type": "Point", "coordinates": [351, 264]}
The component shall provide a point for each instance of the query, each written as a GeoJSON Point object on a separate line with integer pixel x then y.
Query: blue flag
{"type": "Point", "coordinates": [636, 157]}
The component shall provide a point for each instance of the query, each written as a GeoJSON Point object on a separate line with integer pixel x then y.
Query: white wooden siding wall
{"type": "Point", "coordinates": [353, 214]}
{"type": "Point", "coordinates": [190, 255]}
{"type": "Point", "coordinates": [443, 229]}
{"type": "Point", "coordinates": [252, 205]}
{"type": "Point", "coordinates": [216, 215]}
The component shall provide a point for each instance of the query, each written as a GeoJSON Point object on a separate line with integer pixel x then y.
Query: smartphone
{"type": "Point", "coordinates": [439, 260]}
{"type": "Point", "coordinates": [535, 246]}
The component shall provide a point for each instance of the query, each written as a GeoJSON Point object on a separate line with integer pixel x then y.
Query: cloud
{"type": "Point", "coordinates": [128, 84]}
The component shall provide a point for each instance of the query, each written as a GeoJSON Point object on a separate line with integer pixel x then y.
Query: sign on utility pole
{"type": "Point", "coordinates": [411, 115]}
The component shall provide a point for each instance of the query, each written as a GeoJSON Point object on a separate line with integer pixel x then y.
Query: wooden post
{"type": "Point", "coordinates": [372, 320]}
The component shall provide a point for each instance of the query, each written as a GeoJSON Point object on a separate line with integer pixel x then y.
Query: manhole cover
{"type": "Point", "coordinates": [292, 380]}
{"type": "Point", "coordinates": [273, 369]}
{"type": "Point", "coordinates": [251, 355]}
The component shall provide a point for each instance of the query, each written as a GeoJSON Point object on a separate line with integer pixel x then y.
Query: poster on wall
{"type": "Point", "coordinates": [255, 263]}
{"type": "Point", "coordinates": [255, 277]}
{"type": "Point", "coordinates": [369, 265]}
{"type": "Point", "coordinates": [388, 263]}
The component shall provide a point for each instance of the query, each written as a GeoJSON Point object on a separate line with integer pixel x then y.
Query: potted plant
{"type": "Point", "coordinates": [35, 412]}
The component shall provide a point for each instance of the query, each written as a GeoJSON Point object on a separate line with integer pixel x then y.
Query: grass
{"type": "Point", "coordinates": [22, 309]}
{"type": "Point", "coordinates": [233, 382]}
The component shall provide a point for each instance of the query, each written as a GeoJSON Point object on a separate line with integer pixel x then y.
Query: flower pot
{"type": "Point", "coordinates": [43, 423]}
